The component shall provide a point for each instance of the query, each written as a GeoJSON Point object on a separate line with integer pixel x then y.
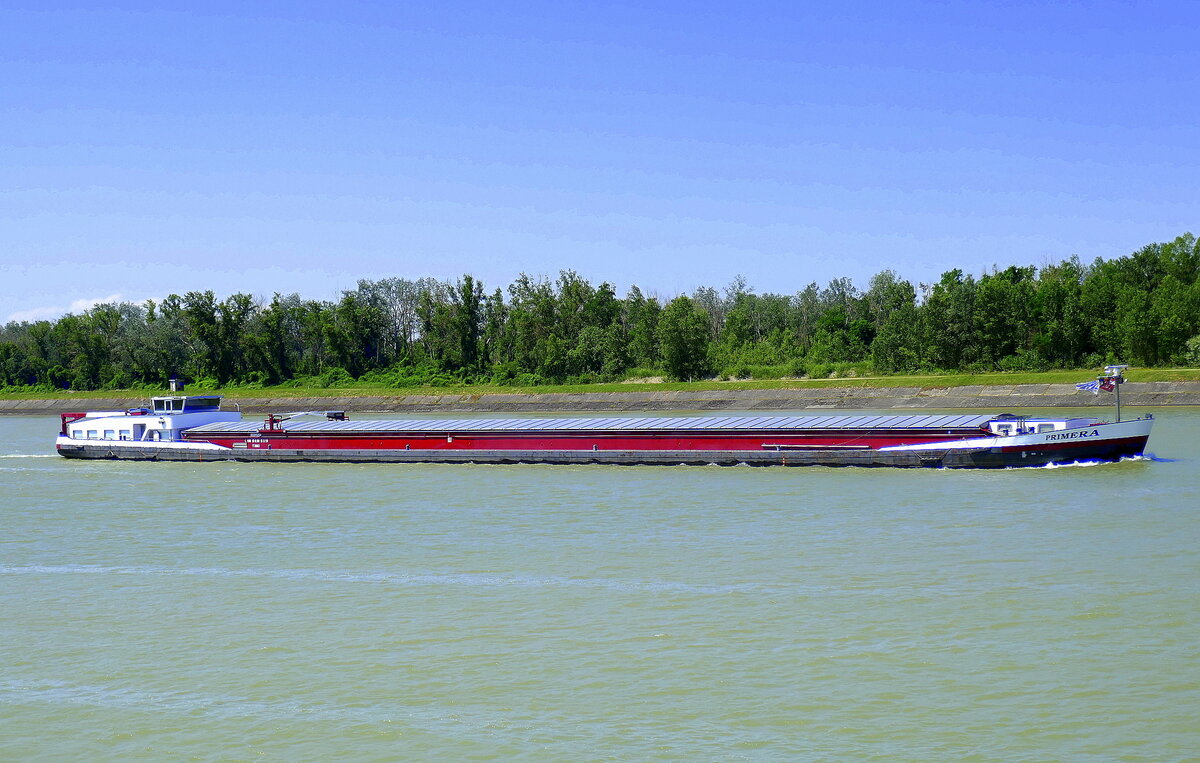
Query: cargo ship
{"type": "Point", "coordinates": [195, 428]}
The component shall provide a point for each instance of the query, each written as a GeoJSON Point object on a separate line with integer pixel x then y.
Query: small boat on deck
{"type": "Point", "coordinates": [195, 428]}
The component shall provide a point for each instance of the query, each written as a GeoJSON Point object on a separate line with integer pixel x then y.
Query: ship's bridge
{"type": "Point", "coordinates": [176, 404]}
{"type": "Point", "coordinates": [164, 419]}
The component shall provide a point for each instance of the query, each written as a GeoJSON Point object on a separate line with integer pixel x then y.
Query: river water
{"type": "Point", "coordinates": [223, 611]}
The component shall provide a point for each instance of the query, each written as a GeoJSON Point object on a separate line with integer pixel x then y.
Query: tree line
{"type": "Point", "coordinates": [1143, 308]}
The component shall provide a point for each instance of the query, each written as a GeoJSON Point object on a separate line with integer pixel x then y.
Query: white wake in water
{"type": "Point", "coordinates": [30, 455]}
{"type": "Point", "coordinates": [1092, 463]}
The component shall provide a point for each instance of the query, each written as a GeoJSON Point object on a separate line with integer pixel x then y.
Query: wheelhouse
{"type": "Point", "coordinates": [175, 404]}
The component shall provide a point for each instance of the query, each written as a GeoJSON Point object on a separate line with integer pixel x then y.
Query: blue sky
{"type": "Point", "coordinates": [155, 148]}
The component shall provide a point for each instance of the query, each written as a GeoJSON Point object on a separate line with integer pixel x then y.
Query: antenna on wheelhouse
{"type": "Point", "coordinates": [1112, 379]}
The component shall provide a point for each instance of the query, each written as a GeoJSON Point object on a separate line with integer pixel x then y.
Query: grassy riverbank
{"type": "Point", "coordinates": [932, 381]}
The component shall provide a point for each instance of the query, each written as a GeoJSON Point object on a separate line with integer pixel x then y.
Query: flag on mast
{"type": "Point", "coordinates": [1108, 382]}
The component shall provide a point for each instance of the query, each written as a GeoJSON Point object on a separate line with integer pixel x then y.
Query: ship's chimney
{"type": "Point", "coordinates": [176, 384]}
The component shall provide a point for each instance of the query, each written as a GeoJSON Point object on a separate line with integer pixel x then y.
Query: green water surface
{"type": "Point", "coordinates": [223, 611]}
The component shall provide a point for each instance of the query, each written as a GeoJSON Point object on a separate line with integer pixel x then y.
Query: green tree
{"type": "Point", "coordinates": [951, 339]}
{"type": "Point", "coordinates": [199, 310]}
{"type": "Point", "coordinates": [897, 346]}
{"type": "Point", "coordinates": [641, 325]}
{"type": "Point", "coordinates": [683, 335]}
{"type": "Point", "coordinates": [1002, 306]}
{"type": "Point", "coordinates": [1060, 333]}
{"type": "Point", "coordinates": [467, 322]}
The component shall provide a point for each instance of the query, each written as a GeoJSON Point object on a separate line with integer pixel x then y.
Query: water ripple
{"type": "Point", "coordinates": [468, 579]}
{"type": "Point", "coordinates": [449, 720]}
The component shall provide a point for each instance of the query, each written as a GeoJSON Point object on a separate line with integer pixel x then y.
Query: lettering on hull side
{"type": "Point", "coordinates": [1075, 434]}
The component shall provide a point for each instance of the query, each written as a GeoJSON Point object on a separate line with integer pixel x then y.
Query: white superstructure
{"type": "Point", "coordinates": [161, 422]}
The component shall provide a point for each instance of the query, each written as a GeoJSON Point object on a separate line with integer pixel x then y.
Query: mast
{"type": "Point", "coordinates": [1117, 390]}
{"type": "Point", "coordinates": [1116, 375]}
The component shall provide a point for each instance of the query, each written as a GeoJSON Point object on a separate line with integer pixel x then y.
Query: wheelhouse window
{"type": "Point", "coordinates": [93, 434]}
{"type": "Point", "coordinates": [189, 405]}
{"type": "Point", "coordinates": [198, 404]}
